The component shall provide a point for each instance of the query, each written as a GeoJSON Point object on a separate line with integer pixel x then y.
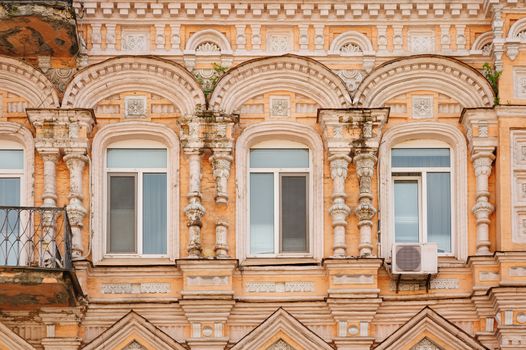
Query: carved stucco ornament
{"type": "Point", "coordinates": [425, 344]}
{"type": "Point", "coordinates": [280, 345]}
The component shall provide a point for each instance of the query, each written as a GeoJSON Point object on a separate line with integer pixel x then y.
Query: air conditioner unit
{"type": "Point", "coordinates": [414, 258]}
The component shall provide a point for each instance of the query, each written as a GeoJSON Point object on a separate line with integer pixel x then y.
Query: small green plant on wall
{"type": "Point", "coordinates": [492, 75]}
{"type": "Point", "coordinates": [209, 83]}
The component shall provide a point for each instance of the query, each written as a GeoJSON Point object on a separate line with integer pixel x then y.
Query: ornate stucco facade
{"type": "Point", "coordinates": [209, 81]}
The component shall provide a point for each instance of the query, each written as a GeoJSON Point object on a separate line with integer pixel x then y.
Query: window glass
{"type": "Point", "coordinates": [294, 213]}
{"type": "Point", "coordinates": [122, 214]}
{"type": "Point", "coordinates": [261, 213]}
{"type": "Point", "coordinates": [439, 210]}
{"type": "Point", "coordinates": [136, 158]}
{"type": "Point", "coordinates": [11, 159]}
{"type": "Point", "coordinates": [420, 157]}
{"type": "Point", "coordinates": [406, 211]}
{"type": "Point", "coordinates": [9, 221]}
{"type": "Point", "coordinates": [154, 214]}
{"type": "Point", "coordinates": [279, 158]}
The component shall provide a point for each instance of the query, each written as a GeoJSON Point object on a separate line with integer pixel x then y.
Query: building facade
{"type": "Point", "coordinates": [263, 175]}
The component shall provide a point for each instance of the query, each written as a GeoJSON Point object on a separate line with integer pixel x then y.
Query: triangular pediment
{"type": "Point", "coordinates": [12, 341]}
{"type": "Point", "coordinates": [428, 326]}
{"type": "Point", "coordinates": [278, 330]}
{"type": "Point", "coordinates": [133, 332]}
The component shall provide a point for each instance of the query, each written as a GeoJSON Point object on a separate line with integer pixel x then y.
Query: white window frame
{"type": "Point", "coordinates": [280, 130]}
{"type": "Point", "coordinates": [133, 134]}
{"type": "Point", "coordinates": [422, 187]}
{"type": "Point", "coordinates": [429, 131]}
{"type": "Point", "coordinates": [138, 174]}
{"type": "Point", "coordinates": [277, 173]}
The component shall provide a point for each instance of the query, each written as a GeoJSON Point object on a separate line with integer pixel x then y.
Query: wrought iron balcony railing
{"type": "Point", "coordinates": [35, 237]}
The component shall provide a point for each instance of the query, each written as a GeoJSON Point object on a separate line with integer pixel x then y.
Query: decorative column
{"type": "Point", "coordinates": [365, 161]}
{"type": "Point", "coordinates": [192, 146]}
{"type": "Point", "coordinates": [221, 161]}
{"type": "Point", "coordinates": [339, 210]}
{"type": "Point", "coordinates": [221, 248]}
{"type": "Point", "coordinates": [480, 125]}
{"type": "Point", "coordinates": [65, 131]}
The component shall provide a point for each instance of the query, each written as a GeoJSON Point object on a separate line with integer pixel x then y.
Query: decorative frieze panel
{"type": "Point", "coordinates": [421, 41]}
{"type": "Point", "coordinates": [353, 279]}
{"type": "Point", "coordinates": [280, 106]}
{"type": "Point", "coordinates": [135, 41]}
{"type": "Point", "coordinates": [135, 106]}
{"type": "Point", "coordinates": [279, 42]}
{"type": "Point", "coordinates": [207, 280]}
{"type": "Point", "coordinates": [279, 287]}
{"type": "Point", "coordinates": [437, 283]}
{"type": "Point", "coordinates": [422, 107]}
{"type": "Point", "coordinates": [135, 288]}
{"type": "Point", "coordinates": [519, 82]}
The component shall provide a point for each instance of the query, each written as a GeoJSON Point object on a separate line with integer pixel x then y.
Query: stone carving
{"type": "Point", "coordinates": [350, 48]}
{"type": "Point", "coordinates": [517, 271]}
{"type": "Point", "coordinates": [135, 41]}
{"type": "Point", "coordinates": [489, 276]}
{"type": "Point", "coordinates": [518, 195]}
{"type": "Point", "coordinates": [486, 49]}
{"type": "Point", "coordinates": [521, 35]}
{"type": "Point", "coordinates": [437, 283]}
{"type": "Point", "coordinates": [135, 106]}
{"type": "Point", "coordinates": [280, 42]}
{"type": "Point", "coordinates": [280, 345]}
{"type": "Point", "coordinates": [221, 247]}
{"type": "Point", "coordinates": [207, 280]}
{"type": "Point", "coordinates": [134, 346]}
{"type": "Point", "coordinates": [339, 163]}
{"type": "Point", "coordinates": [421, 42]}
{"type": "Point", "coordinates": [422, 107]}
{"type": "Point", "coordinates": [208, 47]}
{"type": "Point", "coordinates": [256, 36]}
{"type": "Point", "coordinates": [279, 106]}
{"type": "Point", "coordinates": [279, 287]}
{"type": "Point", "coordinates": [353, 279]}
{"type": "Point", "coordinates": [135, 288]}
{"type": "Point", "coordinates": [482, 162]}
{"type": "Point", "coordinates": [351, 78]}
{"type": "Point", "coordinates": [365, 211]}
{"type": "Point", "coordinates": [425, 344]}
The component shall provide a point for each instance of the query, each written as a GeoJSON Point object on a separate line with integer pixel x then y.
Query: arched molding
{"type": "Point", "coordinates": [351, 37]}
{"type": "Point", "coordinates": [518, 30]}
{"type": "Point", "coordinates": [425, 72]}
{"type": "Point", "coordinates": [208, 35]}
{"type": "Point", "coordinates": [25, 81]}
{"type": "Point", "coordinates": [19, 134]}
{"type": "Point", "coordinates": [133, 130]}
{"type": "Point", "coordinates": [481, 43]}
{"type": "Point", "coordinates": [289, 72]}
{"type": "Point", "coordinates": [12, 341]}
{"type": "Point", "coordinates": [116, 75]}
{"type": "Point", "coordinates": [279, 130]}
{"type": "Point", "coordinates": [426, 131]}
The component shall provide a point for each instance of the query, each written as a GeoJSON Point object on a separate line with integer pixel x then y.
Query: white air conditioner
{"type": "Point", "coordinates": [414, 258]}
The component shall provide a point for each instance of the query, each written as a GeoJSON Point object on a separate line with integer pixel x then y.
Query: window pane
{"type": "Point", "coordinates": [279, 158]}
{"type": "Point", "coordinates": [294, 213]}
{"type": "Point", "coordinates": [11, 159]}
{"type": "Point", "coordinates": [122, 214]}
{"type": "Point", "coordinates": [9, 221]}
{"type": "Point", "coordinates": [154, 214]}
{"type": "Point", "coordinates": [406, 211]}
{"type": "Point", "coordinates": [439, 210]}
{"type": "Point", "coordinates": [262, 213]}
{"type": "Point", "coordinates": [136, 158]}
{"type": "Point", "coordinates": [420, 157]}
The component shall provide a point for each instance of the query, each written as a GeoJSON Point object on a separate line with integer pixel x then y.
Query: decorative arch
{"type": "Point", "coordinates": [281, 322]}
{"type": "Point", "coordinates": [288, 72]}
{"type": "Point", "coordinates": [518, 30]}
{"type": "Point", "coordinates": [133, 326]}
{"type": "Point", "coordinates": [25, 81]}
{"type": "Point", "coordinates": [291, 131]}
{"type": "Point", "coordinates": [429, 327]}
{"type": "Point", "coordinates": [21, 135]}
{"type": "Point", "coordinates": [426, 131]}
{"type": "Point", "coordinates": [205, 36]}
{"type": "Point", "coordinates": [425, 72]}
{"type": "Point", "coordinates": [139, 130]}
{"type": "Point", "coordinates": [340, 44]}
{"type": "Point", "coordinates": [12, 341]}
{"type": "Point", "coordinates": [127, 73]}
{"type": "Point", "coordinates": [481, 42]}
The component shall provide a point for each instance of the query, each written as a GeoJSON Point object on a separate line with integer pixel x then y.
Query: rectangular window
{"type": "Point", "coordinates": [279, 201]}
{"type": "Point", "coordinates": [422, 196]}
{"type": "Point", "coordinates": [137, 212]}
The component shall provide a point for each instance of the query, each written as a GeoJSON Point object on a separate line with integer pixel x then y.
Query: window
{"type": "Point", "coordinates": [137, 204]}
{"type": "Point", "coordinates": [421, 179]}
{"type": "Point", "coordinates": [279, 185]}
{"type": "Point", "coordinates": [11, 178]}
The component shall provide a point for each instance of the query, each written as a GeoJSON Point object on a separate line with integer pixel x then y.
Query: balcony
{"type": "Point", "coordinates": [35, 258]}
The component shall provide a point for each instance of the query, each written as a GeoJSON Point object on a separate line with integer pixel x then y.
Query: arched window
{"type": "Point", "coordinates": [135, 197]}
{"type": "Point", "coordinates": [279, 174]}
{"type": "Point", "coordinates": [423, 187]}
